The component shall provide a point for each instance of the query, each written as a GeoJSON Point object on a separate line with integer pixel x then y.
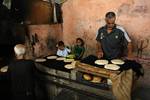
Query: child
{"type": "Point", "coordinates": [62, 50]}
{"type": "Point", "coordinates": [79, 48]}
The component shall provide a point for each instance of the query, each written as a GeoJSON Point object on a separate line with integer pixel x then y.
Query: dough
{"type": "Point", "coordinates": [101, 62]}
{"type": "Point", "coordinates": [117, 61]}
{"type": "Point", "coordinates": [111, 66]}
{"type": "Point", "coordinates": [52, 57]}
{"type": "Point", "coordinates": [69, 66]}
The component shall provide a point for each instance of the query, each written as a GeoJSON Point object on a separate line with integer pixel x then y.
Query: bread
{"type": "Point", "coordinates": [4, 69]}
{"type": "Point", "coordinates": [68, 60]}
{"type": "Point", "coordinates": [52, 57]}
{"type": "Point", "coordinates": [101, 62]}
{"type": "Point", "coordinates": [96, 79]}
{"type": "Point", "coordinates": [69, 66]}
{"type": "Point", "coordinates": [61, 58]}
{"type": "Point", "coordinates": [117, 61]}
{"type": "Point", "coordinates": [111, 66]}
{"type": "Point", "coordinates": [87, 77]}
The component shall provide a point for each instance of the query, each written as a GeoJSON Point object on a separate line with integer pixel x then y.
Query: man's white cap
{"type": "Point", "coordinates": [19, 49]}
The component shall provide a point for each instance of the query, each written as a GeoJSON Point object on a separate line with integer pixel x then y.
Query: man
{"type": "Point", "coordinates": [112, 39]}
{"type": "Point", "coordinates": [21, 75]}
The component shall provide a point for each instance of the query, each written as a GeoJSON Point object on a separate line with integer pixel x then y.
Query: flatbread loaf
{"type": "Point", "coordinates": [4, 69]}
{"type": "Point", "coordinates": [68, 60]}
{"type": "Point", "coordinates": [61, 58]}
{"type": "Point", "coordinates": [96, 79]}
{"type": "Point", "coordinates": [101, 62]}
{"type": "Point", "coordinates": [111, 66]}
{"type": "Point", "coordinates": [40, 60]}
{"type": "Point", "coordinates": [117, 61]}
{"type": "Point", "coordinates": [109, 82]}
{"type": "Point", "coordinates": [87, 77]}
{"type": "Point", "coordinates": [69, 66]}
{"type": "Point", "coordinates": [52, 57]}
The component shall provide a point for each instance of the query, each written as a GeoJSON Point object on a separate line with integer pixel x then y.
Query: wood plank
{"type": "Point", "coordinates": [94, 70]}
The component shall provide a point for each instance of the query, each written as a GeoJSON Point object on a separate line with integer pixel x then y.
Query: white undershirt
{"type": "Point", "coordinates": [63, 53]}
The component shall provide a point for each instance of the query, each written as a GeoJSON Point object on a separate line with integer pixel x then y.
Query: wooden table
{"type": "Point", "coordinates": [82, 67]}
{"type": "Point", "coordinates": [69, 80]}
{"type": "Point", "coordinates": [121, 81]}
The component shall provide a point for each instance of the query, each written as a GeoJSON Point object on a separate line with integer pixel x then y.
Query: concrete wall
{"type": "Point", "coordinates": [82, 18]}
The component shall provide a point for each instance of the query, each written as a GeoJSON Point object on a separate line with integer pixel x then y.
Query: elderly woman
{"type": "Point", "coordinates": [21, 75]}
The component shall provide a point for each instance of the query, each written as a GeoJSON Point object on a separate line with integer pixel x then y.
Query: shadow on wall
{"type": "Point", "coordinates": [51, 44]}
{"type": "Point", "coordinates": [44, 38]}
{"type": "Point", "coordinates": [141, 46]}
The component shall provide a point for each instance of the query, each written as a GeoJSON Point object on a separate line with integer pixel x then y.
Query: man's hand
{"type": "Point", "coordinates": [100, 54]}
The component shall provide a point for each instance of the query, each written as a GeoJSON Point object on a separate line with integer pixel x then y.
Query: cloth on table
{"type": "Point", "coordinates": [135, 66]}
{"type": "Point", "coordinates": [55, 64]}
{"type": "Point", "coordinates": [129, 64]}
{"type": "Point", "coordinates": [122, 85]}
{"type": "Point", "coordinates": [89, 60]}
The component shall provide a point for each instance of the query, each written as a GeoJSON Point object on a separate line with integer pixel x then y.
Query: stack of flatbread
{"type": "Point", "coordinates": [52, 57]}
{"type": "Point", "coordinates": [111, 66]}
{"type": "Point", "coordinates": [101, 62]}
{"type": "Point", "coordinates": [40, 60]}
{"type": "Point", "coordinates": [117, 61]}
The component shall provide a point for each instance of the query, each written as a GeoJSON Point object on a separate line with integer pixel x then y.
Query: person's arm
{"type": "Point", "coordinates": [58, 53]}
{"type": "Point", "coordinates": [99, 51]}
{"type": "Point", "coordinates": [68, 50]}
